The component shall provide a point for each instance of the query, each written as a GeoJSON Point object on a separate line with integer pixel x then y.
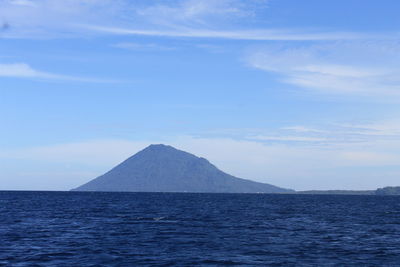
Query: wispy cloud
{"type": "Point", "coordinates": [303, 129]}
{"type": "Point", "coordinates": [180, 18]}
{"type": "Point", "coordinates": [328, 135]}
{"type": "Point", "coordinates": [48, 18]}
{"type": "Point", "coordinates": [198, 12]}
{"type": "Point", "coordinates": [23, 70]}
{"type": "Point", "coordinates": [143, 46]}
{"type": "Point", "coordinates": [388, 128]}
{"type": "Point", "coordinates": [347, 133]}
{"type": "Point", "coordinates": [255, 35]}
{"type": "Point", "coordinates": [44, 18]}
{"type": "Point", "coordinates": [359, 68]}
{"type": "Point", "coordinates": [289, 138]}
{"type": "Point", "coordinates": [221, 19]}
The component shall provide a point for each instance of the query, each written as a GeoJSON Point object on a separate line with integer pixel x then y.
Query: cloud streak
{"type": "Point", "coordinates": [354, 67]}
{"type": "Point", "coordinates": [143, 46]}
{"type": "Point", "coordinates": [177, 19]}
{"type": "Point", "coordinates": [22, 70]}
{"type": "Point", "coordinates": [199, 12]}
{"type": "Point", "coordinates": [48, 18]}
{"type": "Point", "coordinates": [25, 71]}
{"type": "Point", "coordinates": [254, 35]}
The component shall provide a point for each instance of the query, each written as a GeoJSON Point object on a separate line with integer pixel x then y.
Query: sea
{"type": "Point", "coordinates": [189, 229]}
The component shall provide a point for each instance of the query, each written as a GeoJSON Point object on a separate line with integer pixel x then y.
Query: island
{"type": "Point", "coordinates": [163, 168]}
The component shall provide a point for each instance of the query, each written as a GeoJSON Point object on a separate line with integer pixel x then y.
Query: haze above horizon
{"type": "Point", "coordinates": [299, 94]}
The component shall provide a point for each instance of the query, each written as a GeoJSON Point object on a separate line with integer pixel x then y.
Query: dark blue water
{"type": "Point", "coordinates": [136, 229]}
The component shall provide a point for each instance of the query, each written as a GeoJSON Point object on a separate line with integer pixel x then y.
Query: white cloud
{"type": "Point", "coordinates": [27, 3]}
{"type": "Point", "coordinates": [359, 68]}
{"type": "Point", "coordinates": [23, 70]}
{"type": "Point", "coordinates": [198, 12]}
{"type": "Point", "coordinates": [223, 19]}
{"type": "Point", "coordinates": [49, 18]}
{"type": "Point", "coordinates": [303, 129]}
{"type": "Point", "coordinates": [254, 35]}
{"type": "Point", "coordinates": [388, 128]}
{"type": "Point", "coordinates": [327, 135]}
{"type": "Point", "coordinates": [143, 47]}
{"type": "Point", "coordinates": [288, 138]}
{"type": "Point", "coordinates": [345, 133]}
{"type": "Point", "coordinates": [181, 18]}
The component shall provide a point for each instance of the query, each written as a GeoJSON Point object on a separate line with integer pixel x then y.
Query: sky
{"type": "Point", "coordinates": [299, 94]}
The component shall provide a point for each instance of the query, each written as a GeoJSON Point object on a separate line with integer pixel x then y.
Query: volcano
{"type": "Point", "coordinates": [162, 168]}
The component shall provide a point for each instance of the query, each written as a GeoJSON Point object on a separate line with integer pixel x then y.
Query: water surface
{"type": "Point", "coordinates": [166, 229]}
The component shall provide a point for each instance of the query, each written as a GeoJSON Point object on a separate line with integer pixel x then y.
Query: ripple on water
{"type": "Point", "coordinates": [131, 229]}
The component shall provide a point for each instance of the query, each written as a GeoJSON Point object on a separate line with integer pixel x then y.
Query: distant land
{"type": "Point", "coordinates": [336, 192]}
{"type": "Point", "coordinates": [162, 168]}
{"type": "Point", "coordinates": [389, 190]}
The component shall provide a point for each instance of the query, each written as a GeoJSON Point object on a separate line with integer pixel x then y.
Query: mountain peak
{"type": "Point", "coordinates": [163, 168]}
{"type": "Point", "coordinates": [159, 146]}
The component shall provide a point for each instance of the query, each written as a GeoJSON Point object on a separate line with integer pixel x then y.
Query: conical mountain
{"type": "Point", "coordinates": [161, 168]}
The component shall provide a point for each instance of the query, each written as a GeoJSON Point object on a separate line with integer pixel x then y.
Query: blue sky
{"type": "Point", "coordinates": [301, 94]}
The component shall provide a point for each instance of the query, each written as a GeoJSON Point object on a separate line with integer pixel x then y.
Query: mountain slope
{"type": "Point", "coordinates": [161, 168]}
